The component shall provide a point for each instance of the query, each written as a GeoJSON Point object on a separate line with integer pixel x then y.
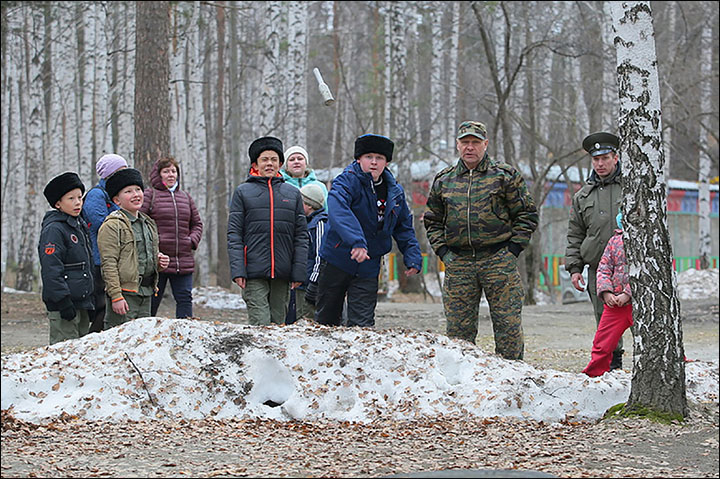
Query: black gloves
{"type": "Point", "coordinates": [515, 249]}
{"type": "Point", "coordinates": [67, 309]}
{"type": "Point", "coordinates": [311, 293]}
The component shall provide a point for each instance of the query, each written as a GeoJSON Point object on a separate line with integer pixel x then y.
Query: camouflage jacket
{"type": "Point", "coordinates": [469, 211]}
{"type": "Point", "coordinates": [592, 220]}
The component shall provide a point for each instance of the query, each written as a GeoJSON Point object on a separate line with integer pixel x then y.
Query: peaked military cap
{"type": "Point", "coordinates": [600, 143]}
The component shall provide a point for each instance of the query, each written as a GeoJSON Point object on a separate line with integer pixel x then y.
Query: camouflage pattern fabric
{"type": "Point", "coordinates": [466, 277]}
{"type": "Point", "coordinates": [476, 209]}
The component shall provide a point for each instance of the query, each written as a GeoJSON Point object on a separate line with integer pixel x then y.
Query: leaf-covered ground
{"type": "Point", "coordinates": [262, 448]}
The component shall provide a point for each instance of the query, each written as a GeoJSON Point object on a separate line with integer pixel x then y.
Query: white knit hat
{"type": "Point", "coordinates": [313, 196]}
{"type": "Point", "coordinates": [298, 149]}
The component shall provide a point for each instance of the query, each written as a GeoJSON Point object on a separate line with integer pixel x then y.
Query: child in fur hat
{"type": "Point", "coordinates": [129, 251]}
{"type": "Point", "coordinates": [97, 205]}
{"type": "Point", "coordinates": [66, 260]}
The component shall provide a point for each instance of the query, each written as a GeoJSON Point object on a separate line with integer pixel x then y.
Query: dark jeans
{"type": "Point", "coordinates": [333, 285]}
{"type": "Point", "coordinates": [97, 317]}
{"type": "Point", "coordinates": [181, 285]}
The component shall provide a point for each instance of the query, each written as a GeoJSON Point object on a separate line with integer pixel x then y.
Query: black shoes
{"type": "Point", "coordinates": [616, 362]}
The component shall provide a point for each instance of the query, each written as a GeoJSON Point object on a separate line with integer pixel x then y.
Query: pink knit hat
{"type": "Point", "coordinates": [109, 164]}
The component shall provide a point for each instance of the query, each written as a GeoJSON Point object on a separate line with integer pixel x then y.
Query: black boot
{"type": "Point", "coordinates": [616, 362]}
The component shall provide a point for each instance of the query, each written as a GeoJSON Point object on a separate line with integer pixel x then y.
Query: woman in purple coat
{"type": "Point", "coordinates": [180, 229]}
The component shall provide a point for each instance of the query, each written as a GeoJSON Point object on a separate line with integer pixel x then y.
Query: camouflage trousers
{"type": "Point", "coordinates": [496, 274]}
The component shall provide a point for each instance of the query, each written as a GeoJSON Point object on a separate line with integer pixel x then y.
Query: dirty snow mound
{"type": "Point", "coordinates": [160, 368]}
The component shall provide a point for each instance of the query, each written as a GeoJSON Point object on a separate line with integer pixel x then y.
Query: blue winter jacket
{"type": "Point", "coordinates": [353, 223]}
{"type": "Point", "coordinates": [316, 227]}
{"type": "Point", "coordinates": [96, 206]}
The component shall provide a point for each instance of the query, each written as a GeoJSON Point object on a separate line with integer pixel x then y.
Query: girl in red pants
{"type": "Point", "coordinates": [613, 286]}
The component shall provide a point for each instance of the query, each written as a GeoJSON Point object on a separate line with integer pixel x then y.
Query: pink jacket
{"type": "Point", "coordinates": [612, 272]}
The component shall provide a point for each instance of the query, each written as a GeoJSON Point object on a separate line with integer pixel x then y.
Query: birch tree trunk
{"type": "Point", "coordinates": [296, 124]}
{"type": "Point", "coordinates": [152, 77]}
{"type": "Point", "coordinates": [659, 368]}
{"type": "Point", "coordinates": [268, 120]}
{"type": "Point", "coordinates": [705, 142]}
{"type": "Point", "coordinates": [438, 128]}
{"type": "Point", "coordinates": [221, 178]}
{"type": "Point", "coordinates": [452, 120]}
{"type": "Point", "coordinates": [32, 106]}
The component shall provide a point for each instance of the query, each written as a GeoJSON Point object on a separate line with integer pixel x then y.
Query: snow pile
{"type": "Point", "coordinates": [698, 284]}
{"type": "Point", "coordinates": [215, 297]}
{"type": "Point", "coordinates": [159, 368]}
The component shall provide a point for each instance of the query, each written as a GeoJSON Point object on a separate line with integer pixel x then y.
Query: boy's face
{"type": "Point", "coordinates": [373, 163]}
{"type": "Point", "coordinates": [130, 198]}
{"type": "Point", "coordinates": [268, 163]}
{"type": "Point", "coordinates": [71, 202]}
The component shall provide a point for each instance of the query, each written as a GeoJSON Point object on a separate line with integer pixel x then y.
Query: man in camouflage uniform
{"type": "Point", "coordinates": [479, 218]}
{"type": "Point", "coordinates": [592, 220]}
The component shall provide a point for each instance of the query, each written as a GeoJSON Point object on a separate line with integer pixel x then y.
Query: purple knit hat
{"type": "Point", "coordinates": [109, 164]}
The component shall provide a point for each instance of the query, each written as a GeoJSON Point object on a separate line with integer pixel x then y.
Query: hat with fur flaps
{"type": "Point", "coordinates": [60, 185]}
{"type": "Point", "coordinates": [371, 143]}
{"type": "Point", "coordinates": [121, 179]}
{"type": "Point", "coordinates": [264, 144]}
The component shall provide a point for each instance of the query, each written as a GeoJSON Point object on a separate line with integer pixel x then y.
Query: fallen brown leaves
{"type": "Point", "coordinates": [262, 448]}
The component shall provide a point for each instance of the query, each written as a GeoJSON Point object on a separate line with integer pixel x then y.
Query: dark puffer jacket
{"type": "Point", "coordinates": [267, 231]}
{"type": "Point", "coordinates": [66, 262]}
{"type": "Point", "coordinates": [178, 222]}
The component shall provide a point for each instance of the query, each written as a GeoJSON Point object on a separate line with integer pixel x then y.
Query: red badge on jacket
{"type": "Point", "coordinates": [49, 248]}
{"type": "Point", "coordinates": [74, 238]}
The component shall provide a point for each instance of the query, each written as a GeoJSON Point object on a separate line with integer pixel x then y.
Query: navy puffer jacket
{"type": "Point", "coordinates": [178, 222]}
{"type": "Point", "coordinates": [66, 262]}
{"type": "Point", "coordinates": [267, 231]}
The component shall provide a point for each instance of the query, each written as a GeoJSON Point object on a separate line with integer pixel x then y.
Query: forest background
{"type": "Point", "coordinates": [201, 80]}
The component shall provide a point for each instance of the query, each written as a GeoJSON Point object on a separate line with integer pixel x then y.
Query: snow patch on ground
{"type": "Point", "coordinates": [698, 284]}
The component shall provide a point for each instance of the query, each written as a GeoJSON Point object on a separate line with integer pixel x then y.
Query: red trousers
{"type": "Point", "coordinates": [613, 323]}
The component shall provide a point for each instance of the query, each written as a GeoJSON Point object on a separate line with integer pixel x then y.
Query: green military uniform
{"type": "Point", "coordinates": [592, 220]}
{"type": "Point", "coordinates": [477, 222]}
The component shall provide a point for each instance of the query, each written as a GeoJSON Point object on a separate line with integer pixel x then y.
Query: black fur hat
{"type": "Point", "coordinates": [122, 178]}
{"type": "Point", "coordinates": [60, 185]}
{"type": "Point", "coordinates": [371, 143]}
{"type": "Point", "coordinates": [264, 144]}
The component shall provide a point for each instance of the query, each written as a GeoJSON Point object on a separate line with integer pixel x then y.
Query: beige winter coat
{"type": "Point", "coordinates": [119, 256]}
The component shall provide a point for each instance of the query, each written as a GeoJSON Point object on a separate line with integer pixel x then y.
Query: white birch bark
{"type": "Point", "coordinates": [659, 369]}
{"type": "Point", "coordinates": [85, 37]}
{"type": "Point", "coordinates": [705, 162]}
{"type": "Point", "coordinates": [453, 80]}
{"type": "Point", "coordinates": [101, 89]}
{"type": "Point", "coordinates": [385, 11]}
{"type": "Point", "coordinates": [268, 120]}
{"type": "Point", "coordinates": [31, 116]}
{"type": "Point", "coordinates": [195, 128]}
{"type": "Point", "coordinates": [668, 107]}
{"type": "Point", "coordinates": [11, 163]}
{"type": "Point", "coordinates": [437, 84]}
{"type": "Point", "coordinates": [62, 130]}
{"type": "Point", "coordinates": [297, 70]}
